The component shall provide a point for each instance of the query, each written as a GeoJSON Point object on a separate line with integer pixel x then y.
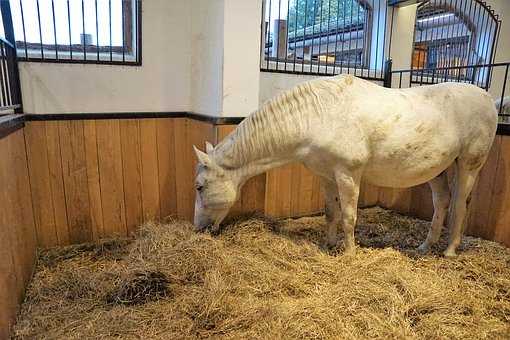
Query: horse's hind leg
{"type": "Point", "coordinates": [441, 200]}
{"type": "Point", "coordinates": [332, 212]}
{"type": "Point", "coordinates": [465, 178]}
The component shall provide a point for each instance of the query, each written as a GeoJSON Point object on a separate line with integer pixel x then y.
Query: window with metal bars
{"type": "Point", "coordinates": [324, 37]}
{"type": "Point", "coordinates": [78, 31]}
{"type": "Point", "coordinates": [454, 33]}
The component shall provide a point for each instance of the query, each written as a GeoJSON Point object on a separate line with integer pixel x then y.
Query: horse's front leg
{"type": "Point", "coordinates": [348, 188]}
{"type": "Point", "coordinates": [332, 212]}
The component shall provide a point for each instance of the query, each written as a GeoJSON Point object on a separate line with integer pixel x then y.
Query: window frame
{"type": "Point", "coordinates": [369, 67]}
{"type": "Point", "coordinates": [48, 53]}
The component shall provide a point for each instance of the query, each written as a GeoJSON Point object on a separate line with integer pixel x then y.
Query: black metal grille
{"type": "Point", "coordinates": [10, 89]}
{"type": "Point", "coordinates": [78, 31]}
{"type": "Point", "coordinates": [450, 33]}
{"type": "Point", "coordinates": [324, 37]}
{"type": "Point", "coordinates": [499, 85]}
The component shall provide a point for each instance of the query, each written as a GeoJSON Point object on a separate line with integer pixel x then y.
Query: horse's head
{"type": "Point", "coordinates": [216, 192]}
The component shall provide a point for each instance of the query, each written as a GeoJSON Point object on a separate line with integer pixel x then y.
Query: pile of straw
{"type": "Point", "coordinates": [270, 279]}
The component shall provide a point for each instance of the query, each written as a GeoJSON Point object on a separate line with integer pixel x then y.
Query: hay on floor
{"type": "Point", "coordinates": [267, 279]}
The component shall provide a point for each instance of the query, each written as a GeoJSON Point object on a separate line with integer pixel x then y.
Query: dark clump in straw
{"type": "Point", "coordinates": [141, 288]}
{"type": "Point", "coordinates": [262, 279]}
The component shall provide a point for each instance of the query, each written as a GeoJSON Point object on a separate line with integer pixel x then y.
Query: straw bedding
{"type": "Point", "coordinates": [270, 279]}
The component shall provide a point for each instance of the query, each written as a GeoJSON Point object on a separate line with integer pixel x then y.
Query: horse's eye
{"type": "Point", "coordinates": [200, 187]}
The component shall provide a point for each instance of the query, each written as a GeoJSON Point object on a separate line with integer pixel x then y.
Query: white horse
{"type": "Point", "coordinates": [346, 129]}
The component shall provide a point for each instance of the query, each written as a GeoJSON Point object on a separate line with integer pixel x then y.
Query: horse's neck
{"type": "Point", "coordinates": [265, 140]}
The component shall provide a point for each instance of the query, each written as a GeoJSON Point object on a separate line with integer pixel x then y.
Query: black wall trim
{"type": "Point", "coordinates": [10, 124]}
{"type": "Point", "coordinates": [106, 115]}
{"type": "Point", "coordinates": [503, 129]}
{"type": "Point", "coordinates": [132, 115]}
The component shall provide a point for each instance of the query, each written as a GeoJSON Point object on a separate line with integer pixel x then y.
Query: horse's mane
{"type": "Point", "coordinates": [279, 122]}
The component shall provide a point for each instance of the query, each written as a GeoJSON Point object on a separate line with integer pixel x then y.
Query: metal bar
{"type": "Point", "coordinates": [23, 24]}
{"type": "Point", "coordinates": [139, 31]}
{"type": "Point", "coordinates": [493, 50]}
{"type": "Point", "coordinates": [304, 37]}
{"type": "Point", "coordinates": [327, 35]}
{"type": "Point", "coordinates": [391, 29]}
{"type": "Point", "coordinates": [69, 28]}
{"type": "Point", "coordinates": [277, 33]}
{"type": "Point", "coordinates": [343, 36]}
{"type": "Point", "coordinates": [83, 30]}
{"type": "Point", "coordinates": [504, 89]}
{"type": "Point", "coordinates": [400, 82]}
{"type": "Point", "coordinates": [295, 34]}
{"type": "Point", "coordinates": [336, 34]}
{"type": "Point", "coordinates": [356, 58]}
{"type": "Point", "coordinates": [268, 35]}
{"type": "Point", "coordinates": [467, 53]}
{"type": "Point", "coordinates": [40, 31]}
{"type": "Point", "coordinates": [123, 31]}
{"type": "Point", "coordinates": [442, 34]}
{"type": "Point", "coordinates": [81, 61]}
{"type": "Point", "coordinates": [312, 74]}
{"type": "Point", "coordinates": [54, 28]}
{"type": "Point", "coordinates": [313, 35]}
{"type": "Point", "coordinates": [11, 55]}
{"type": "Point", "coordinates": [350, 37]}
{"type": "Point", "coordinates": [2, 76]}
{"type": "Point", "coordinates": [377, 38]}
{"type": "Point", "coordinates": [110, 24]}
{"type": "Point", "coordinates": [287, 33]}
{"type": "Point", "coordinates": [460, 67]}
{"type": "Point", "coordinates": [7, 76]}
{"type": "Point", "coordinates": [97, 30]}
{"type": "Point", "coordinates": [320, 39]}
{"type": "Point", "coordinates": [384, 32]}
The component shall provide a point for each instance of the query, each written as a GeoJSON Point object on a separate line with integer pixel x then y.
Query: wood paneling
{"type": "Point", "coordinates": [100, 178]}
{"type": "Point", "coordinates": [93, 179]}
{"type": "Point", "coordinates": [17, 228]}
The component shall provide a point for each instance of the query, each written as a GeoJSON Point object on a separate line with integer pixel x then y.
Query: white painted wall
{"type": "Point", "coordinates": [207, 42]}
{"type": "Point", "coordinates": [198, 55]}
{"type": "Point", "coordinates": [163, 83]}
{"type": "Point", "coordinates": [242, 33]}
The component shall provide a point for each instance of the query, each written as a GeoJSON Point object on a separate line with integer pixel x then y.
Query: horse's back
{"type": "Point", "coordinates": [412, 135]}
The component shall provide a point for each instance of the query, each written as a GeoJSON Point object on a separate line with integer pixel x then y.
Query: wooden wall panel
{"type": "Point", "coordinates": [481, 221]}
{"type": "Point", "coordinates": [58, 196]}
{"type": "Point", "coordinates": [91, 179]}
{"type": "Point", "coordinates": [150, 175]}
{"type": "Point", "coordinates": [40, 184]}
{"type": "Point", "coordinates": [131, 172]}
{"type": "Point", "coordinates": [17, 228]}
{"type": "Point", "coordinates": [111, 180]}
{"type": "Point", "coordinates": [167, 167]}
{"type": "Point", "coordinates": [74, 171]}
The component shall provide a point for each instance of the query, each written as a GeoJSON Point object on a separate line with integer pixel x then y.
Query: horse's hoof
{"type": "Point", "coordinates": [350, 251]}
{"type": "Point", "coordinates": [215, 231]}
{"type": "Point", "coordinates": [328, 244]}
{"type": "Point", "coordinates": [423, 249]}
{"type": "Point", "coordinates": [448, 253]}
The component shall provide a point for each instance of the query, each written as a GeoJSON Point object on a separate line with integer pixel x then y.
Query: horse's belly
{"type": "Point", "coordinates": [410, 164]}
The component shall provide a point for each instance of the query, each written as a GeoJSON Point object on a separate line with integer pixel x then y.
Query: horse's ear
{"type": "Point", "coordinates": [202, 157]}
{"type": "Point", "coordinates": [209, 148]}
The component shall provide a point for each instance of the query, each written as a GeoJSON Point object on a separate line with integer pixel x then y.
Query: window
{"type": "Point", "coordinates": [324, 36]}
{"type": "Point", "coordinates": [83, 31]}
{"type": "Point", "coordinates": [455, 33]}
